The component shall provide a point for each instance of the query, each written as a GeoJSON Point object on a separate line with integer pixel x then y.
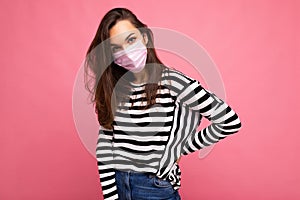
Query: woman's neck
{"type": "Point", "coordinates": [141, 77]}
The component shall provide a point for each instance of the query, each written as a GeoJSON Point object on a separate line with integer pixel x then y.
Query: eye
{"type": "Point", "coordinates": [115, 49]}
{"type": "Point", "coordinates": [131, 40]}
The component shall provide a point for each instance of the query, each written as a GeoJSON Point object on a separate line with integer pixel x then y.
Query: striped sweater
{"type": "Point", "coordinates": [151, 140]}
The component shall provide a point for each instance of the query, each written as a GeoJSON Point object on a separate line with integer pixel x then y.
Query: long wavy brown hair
{"type": "Point", "coordinates": [107, 82]}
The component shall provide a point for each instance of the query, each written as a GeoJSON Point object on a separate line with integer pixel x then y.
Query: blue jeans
{"type": "Point", "coordinates": [144, 186]}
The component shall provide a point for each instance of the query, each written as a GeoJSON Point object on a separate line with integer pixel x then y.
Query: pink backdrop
{"type": "Point", "coordinates": [255, 45]}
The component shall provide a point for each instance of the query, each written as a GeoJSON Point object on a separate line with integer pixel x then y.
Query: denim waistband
{"type": "Point", "coordinates": [132, 185]}
{"type": "Point", "coordinates": [149, 174]}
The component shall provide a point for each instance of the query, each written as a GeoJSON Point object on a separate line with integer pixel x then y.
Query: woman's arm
{"type": "Point", "coordinates": [224, 120]}
{"type": "Point", "coordinates": [105, 166]}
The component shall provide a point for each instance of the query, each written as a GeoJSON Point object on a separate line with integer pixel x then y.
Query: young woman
{"type": "Point", "coordinates": [148, 112]}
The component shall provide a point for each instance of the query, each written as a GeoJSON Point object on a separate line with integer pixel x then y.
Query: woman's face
{"type": "Point", "coordinates": [123, 34]}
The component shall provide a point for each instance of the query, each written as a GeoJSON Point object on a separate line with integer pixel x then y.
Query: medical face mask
{"type": "Point", "coordinates": [132, 58]}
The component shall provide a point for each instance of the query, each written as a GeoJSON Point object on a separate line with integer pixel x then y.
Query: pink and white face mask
{"type": "Point", "coordinates": [132, 58]}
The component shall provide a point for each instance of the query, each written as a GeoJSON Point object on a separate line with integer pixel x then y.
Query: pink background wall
{"type": "Point", "coordinates": [255, 45]}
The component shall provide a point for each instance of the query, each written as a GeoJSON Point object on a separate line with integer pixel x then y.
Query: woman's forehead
{"type": "Point", "coordinates": [121, 30]}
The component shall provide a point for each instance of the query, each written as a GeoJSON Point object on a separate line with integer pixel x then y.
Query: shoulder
{"type": "Point", "coordinates": [103, 130]}
{"type": "Point", "coordinates": [177, 78]}
{"type": "Point", "coordinates": [176, 81]}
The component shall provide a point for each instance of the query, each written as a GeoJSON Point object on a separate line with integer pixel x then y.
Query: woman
{"type": "Point", "coordinates": [148, 112]}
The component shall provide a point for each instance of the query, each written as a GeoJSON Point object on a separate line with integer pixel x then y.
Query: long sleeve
{"type": "Point", "coordinates": [105, 165]}
{"type": "Point", "coordinates": [224, 120]}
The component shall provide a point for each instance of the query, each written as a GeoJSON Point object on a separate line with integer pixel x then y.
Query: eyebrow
{"type": "Point", "coordinates": [125, 39]}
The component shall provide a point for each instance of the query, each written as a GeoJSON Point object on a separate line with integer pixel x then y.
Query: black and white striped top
{"type": "Point", "coordinates": [151, 140]}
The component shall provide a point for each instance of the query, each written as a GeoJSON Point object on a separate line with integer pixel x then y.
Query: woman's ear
{"type": "Point", "coordinates": [145, 38]}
